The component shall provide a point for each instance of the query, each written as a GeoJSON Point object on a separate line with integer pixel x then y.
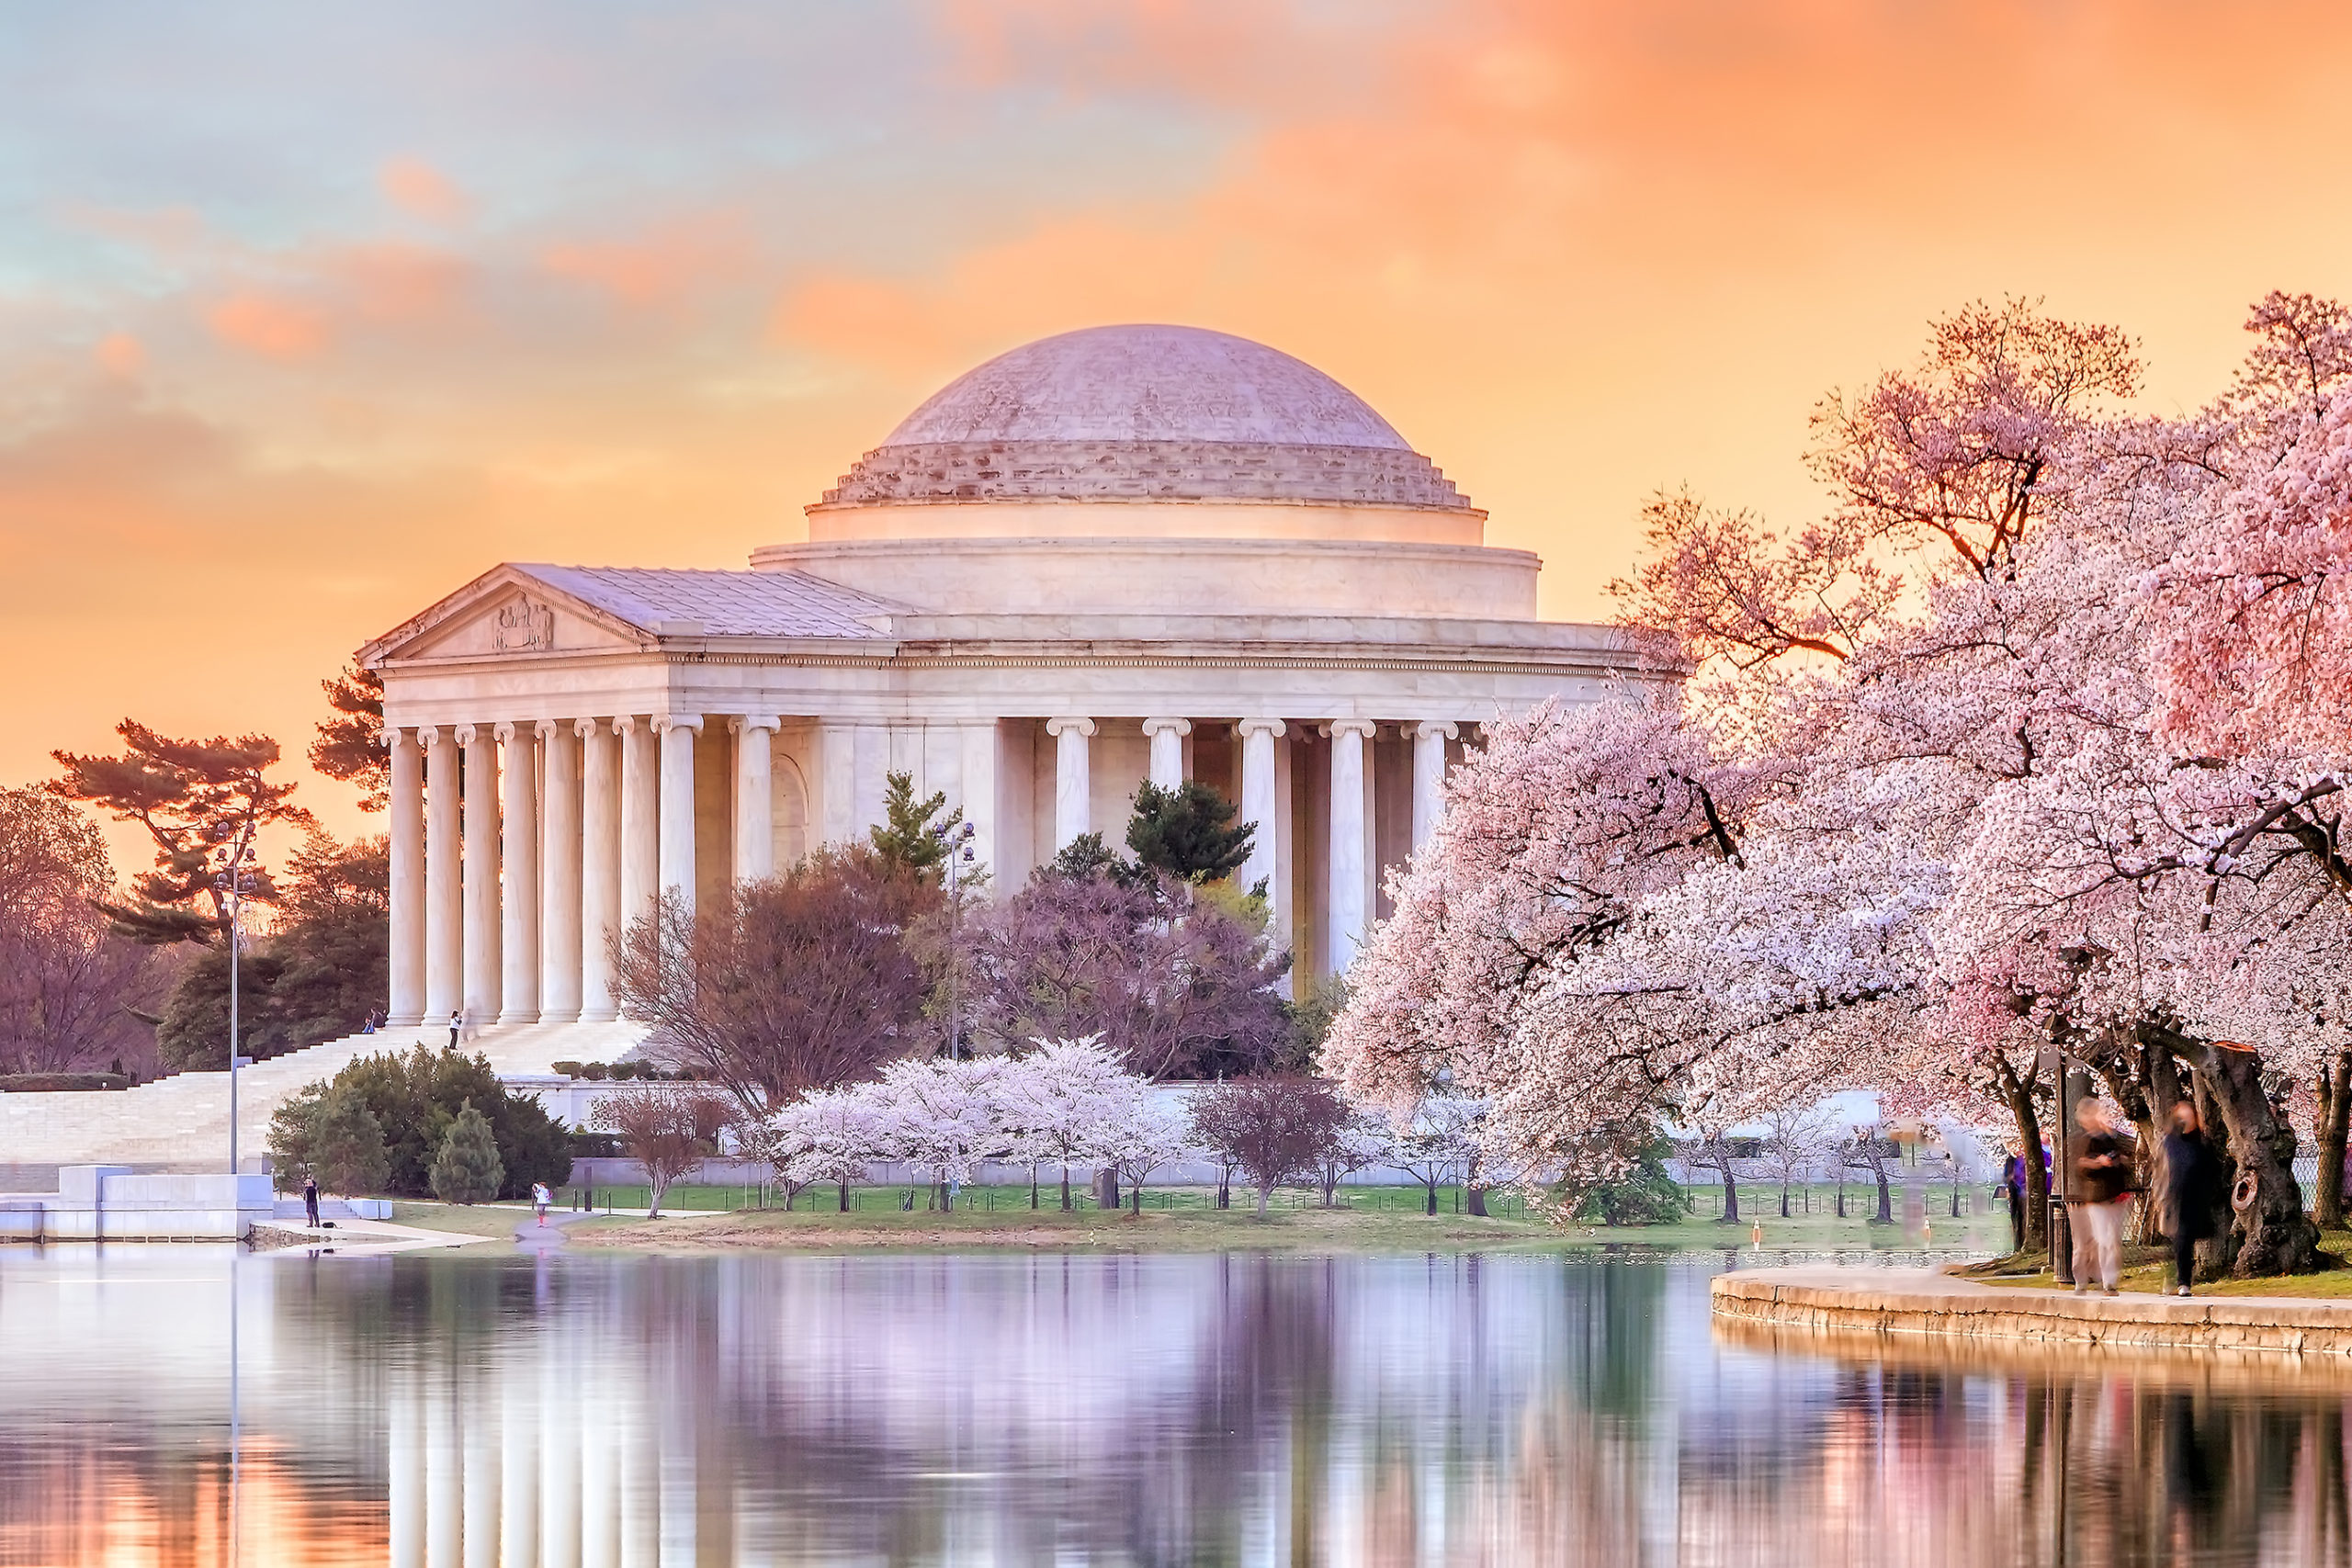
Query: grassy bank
{"type": "Point", "coordinates": [1366, 1226]}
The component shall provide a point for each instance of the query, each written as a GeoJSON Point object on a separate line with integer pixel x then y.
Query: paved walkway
{"type": "Point", "coordinates": [1926, 1302]}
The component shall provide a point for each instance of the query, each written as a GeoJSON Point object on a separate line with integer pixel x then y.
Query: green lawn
{"type": "Point", "coordinates": [465, 1219]}
{"type": "Point", "coordinates": [1187, 1219]}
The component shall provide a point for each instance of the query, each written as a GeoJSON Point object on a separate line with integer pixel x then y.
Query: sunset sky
{"type": "Point", "coordinates": [308, 315]}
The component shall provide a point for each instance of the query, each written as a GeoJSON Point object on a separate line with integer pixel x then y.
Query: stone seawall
{"type": "Point", "coordinates": [1845, 1304]}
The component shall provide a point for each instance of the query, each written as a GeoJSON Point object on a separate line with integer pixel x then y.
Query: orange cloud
{"type": "Point", "coordinates": [121, 356]}
{"type": "Point", "coordinates": [661, 267]}
{"type": "Point", "coordinates": [273, 328]}
{"type": "Point", "coordinates": [419, 189]}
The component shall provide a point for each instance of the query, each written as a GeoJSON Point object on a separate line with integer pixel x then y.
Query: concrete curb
{"type": "Point", "coordinates": [1908, 1301]}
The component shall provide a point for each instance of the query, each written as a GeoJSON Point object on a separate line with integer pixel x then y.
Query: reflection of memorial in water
{"type": "Point", "coordinates": [583, 1412]}
{"type": "Point", "coordinates": [1018, 1409]}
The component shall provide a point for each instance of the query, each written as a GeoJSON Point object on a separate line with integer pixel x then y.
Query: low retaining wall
{"type": "Point", "coordinates": [110, 1203]}
{"type": "Point", "coordinates": [1845, 1308]}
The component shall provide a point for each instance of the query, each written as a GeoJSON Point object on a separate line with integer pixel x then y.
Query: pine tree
{"type": "Point", "coordinates": [347, 1150]}
{"type": "Point", "coordinates": [908, 839]}
{"type": "Point", "coordinates": [468, 1170]}
{"type": "Point", "coordinates": [199, 800]}
{"type": "Point", "coordinates": [346, 746]}
{"type": "Point", "coordinates": [1187, 831]}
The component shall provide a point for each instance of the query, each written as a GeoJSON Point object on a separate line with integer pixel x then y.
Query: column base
{"type": "Point", "coordinates": [599, 1015]}
{"type": "Point", "coordinates": [550, 1015]}
{"type": "Point", "coordinates": [402, 1021]}
{"type": "Point", "coordinates": [508, 1018]}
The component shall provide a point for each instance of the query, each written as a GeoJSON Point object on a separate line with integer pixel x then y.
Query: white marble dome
{"type": "Point", "coordinates": [1146, 383]}
{"type": "Point", "coordinates": [1143, 413]}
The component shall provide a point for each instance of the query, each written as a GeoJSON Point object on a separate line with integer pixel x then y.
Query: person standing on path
{"type": "Point", "coordinates": [456, 1022]}
{"type": "Point", "coordinates": [2192, 1183]}
{"type": "Point", "coordinates": [310, 1202]}
{"type": "Point", "coordinates": [2099, 1194]}
{"type": "Point", "coordinates": [2013, 1178]}
{"type": "Point", "coordinates": [540, 1199]}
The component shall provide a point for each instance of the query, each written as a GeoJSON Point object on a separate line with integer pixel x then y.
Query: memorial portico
{"type": "Point", "coordinates": [1123, 554]}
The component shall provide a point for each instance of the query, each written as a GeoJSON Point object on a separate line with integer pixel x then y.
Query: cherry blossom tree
{"type": "Point", "coordinates": [1062, 1104]}
{"type": "Point", "coordinates": [940, 1117]}
{"type": "Point", "coordinates": [2035, 739]}
{"type": "Point", "coordinates": [827, 1135]}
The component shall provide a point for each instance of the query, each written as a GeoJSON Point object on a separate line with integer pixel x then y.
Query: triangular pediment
{"type": "Point", "coordinates": [508, 613]}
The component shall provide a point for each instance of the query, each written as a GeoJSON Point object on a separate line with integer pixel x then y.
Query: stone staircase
{"type": "Point", "coordinates": [181, 1124]}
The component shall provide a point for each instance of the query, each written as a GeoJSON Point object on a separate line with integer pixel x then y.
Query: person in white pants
{"type": "Point", "coordinates": [2098, 1194]}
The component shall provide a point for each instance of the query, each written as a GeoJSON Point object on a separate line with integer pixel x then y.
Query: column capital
{"type": "Point", "coordinates": [466, 734]}
{"type": "Point", "coordinates": [1245, 727]}
{"type": "Point", "coordinates": [505, 729]}
{"type": "Point", "coordinates": [1168, 727]}
{"type": "Point", "coordinates": [1437, 729]}
{"type": "Point", "coordinates": [1338, 726]}
{"type": "Point", "coordinates": [427, 736]}
{"type": "Point", "coordinates": [1056, 727]}
{"type": "Point", "coordinates": [390, 737]}
{"type": "Point", "coordinates": [586, 728]}
{"type": "Point", "coordinates": [744, 723]}
{"type": "Point", "coordinates": [665, 722]}
{"type": "Point", "coordinates": [625, 723]}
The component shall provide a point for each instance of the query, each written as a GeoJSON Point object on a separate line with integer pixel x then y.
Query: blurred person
{"type": "Point", "coordinates": [2098, 1193]}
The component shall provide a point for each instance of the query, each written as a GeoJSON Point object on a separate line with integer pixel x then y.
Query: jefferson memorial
{"type": "Point", "coordinates": [1122, 553]}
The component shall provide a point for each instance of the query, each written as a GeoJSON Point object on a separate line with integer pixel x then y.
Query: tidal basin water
{"type": "Point", "coordinates": [1052, 1409]}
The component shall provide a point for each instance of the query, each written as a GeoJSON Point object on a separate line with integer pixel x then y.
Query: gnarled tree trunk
{"type": "Point", "coordinates": [2271, 1234]}
{"type": "Point", "coordinates": [2018, 1092]}
{"type": "Point", "coordinates": [2334, 1119]}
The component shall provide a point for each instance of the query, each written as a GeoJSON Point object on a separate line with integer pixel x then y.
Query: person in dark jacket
{"type": "Point", "coordinates": [2192, 1186]}
{"type": "Point", "coordinates": [2013, 1178]}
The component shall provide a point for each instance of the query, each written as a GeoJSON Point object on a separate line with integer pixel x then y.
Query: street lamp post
{"type": "Point", "coordinates": [959, 855]}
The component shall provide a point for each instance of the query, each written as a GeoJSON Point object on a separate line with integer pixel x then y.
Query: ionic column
{"type": "Point", "coordinates": [979, 770]}
{"type": "Point", "coordinates": [754, 795]}
{"type": "Point", "coordinates": [641, 818]}
{"type": "Point", "coordinates": [519, 929]}
{"type": "Point", "coordinates": [837, 768]}
{"type": "Point", "coordinates": [1430, 737]}
{"type": "Point", "coordinates": [444, 884]}
{"type": "Point", "coordinates": [600, 867]}
{"type": "Point", "coordinates": [559, 863]}
{"type": "Point", "coordinates": [405, 1005]}
{"type": "Point", "coordinates": [1258, 808]}
{"type": "Point", "coordinates": [1167, 749]}
{"type": "Point", "coordinates": [677, 731]}
{"type": "Point", "coordinates": [870, 748]}
{"type": "Point", "coordinates": [1348, 882]}
{"type": "Point", "coordinates": [1073, 779]}
{"type": "Point", "coordinates": [481, 872]}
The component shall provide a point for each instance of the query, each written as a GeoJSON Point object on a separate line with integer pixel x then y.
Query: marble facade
{"type": "Point", "coordinates": [1121, 554]}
